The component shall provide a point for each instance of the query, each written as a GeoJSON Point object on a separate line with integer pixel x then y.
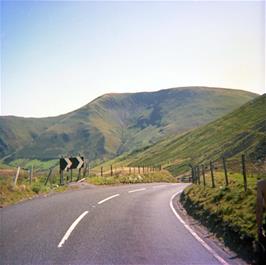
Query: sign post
{"type": "Point", "coordinates": [69, 163]}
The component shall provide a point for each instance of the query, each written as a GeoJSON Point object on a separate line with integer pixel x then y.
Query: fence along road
{"type": "Point", "coordinates": [128, 228]}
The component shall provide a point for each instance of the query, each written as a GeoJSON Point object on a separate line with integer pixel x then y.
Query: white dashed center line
{"type": "Point", "coordinates": [158, 186]}
{"type": "Point", "coordinates": [109, 198]}
{"type": "Point", "coordinates": [131, 191]}
{"type": "Point", "coordinates": [70, 229]}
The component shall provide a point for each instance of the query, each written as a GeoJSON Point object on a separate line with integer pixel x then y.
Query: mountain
{"type": "Point", "coordinates": [241, 131]}
{"type": "Point", "coordinates": [115, 123]}
{"type": "Point", "coordinates": [17, 132]}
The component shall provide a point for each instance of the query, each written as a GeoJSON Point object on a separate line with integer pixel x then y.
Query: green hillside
{"type": "Point", "coordinates": [241, 131]}
{"type": "Point", "coordinates": [117, 123]}
{"type": "Point", "coordinates": [16, 132]}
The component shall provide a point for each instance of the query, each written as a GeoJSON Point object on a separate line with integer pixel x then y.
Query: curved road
{"type": "Point", "coordinates": [129, 224]}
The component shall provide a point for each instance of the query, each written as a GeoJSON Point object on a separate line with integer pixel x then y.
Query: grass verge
{"type": "Point", "coordinates": [11, 194]}
{"type": "Point", "coordinates": [228, 212]}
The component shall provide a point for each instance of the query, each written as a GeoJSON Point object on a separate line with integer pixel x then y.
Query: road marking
{"type": "Point", "coordinates": [194, 234]}
{"type": "Point", "coordinates": [158, 186]}
{"type": "Point", "coordinates": [70, 229]}
{"type": "Point", "coordinates": [109, 198]}
{"type": "Point", "coordinates": [131, 191]}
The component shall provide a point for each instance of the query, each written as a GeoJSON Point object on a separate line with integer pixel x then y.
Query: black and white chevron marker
{"type": "Point", "coordinates": [71, 163]}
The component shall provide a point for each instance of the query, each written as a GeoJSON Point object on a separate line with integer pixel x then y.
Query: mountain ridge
{"type": "Point", "coordinates": [116, 122]}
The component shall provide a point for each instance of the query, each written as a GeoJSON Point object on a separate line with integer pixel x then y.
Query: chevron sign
{"type": "Point", "coordinates": [71, 163]}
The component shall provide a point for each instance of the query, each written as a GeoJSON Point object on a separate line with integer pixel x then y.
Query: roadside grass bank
{"type": "Point", "coordinates": [227, 211]}
{"type": "Point", "coordinates": [11, 194]}
{"type": "Point", "coordinates": [160, 176]}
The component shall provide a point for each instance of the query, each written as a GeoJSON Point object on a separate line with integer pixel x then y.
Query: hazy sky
{"type": "Point", "coordinates": [58, 56]}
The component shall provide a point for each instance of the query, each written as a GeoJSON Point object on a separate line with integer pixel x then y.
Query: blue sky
{"type": "Point", "coordinates": [58, 56]}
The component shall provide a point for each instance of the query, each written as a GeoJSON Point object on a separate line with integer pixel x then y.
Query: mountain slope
{"type": "Point", "coordinates": [242, 131]}
{"type": "Point", "coordinates": [16, 132]}
{"type": "Point", "coordinates": [115, 123]}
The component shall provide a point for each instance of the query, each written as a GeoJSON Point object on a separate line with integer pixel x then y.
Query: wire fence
{"type": "Point", "coordinates": [53, 175]}
{"type": "Point", "coordinates": [248, 169]}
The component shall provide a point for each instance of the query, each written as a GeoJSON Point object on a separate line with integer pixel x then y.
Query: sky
{"type": "Point", "coordinates": [57, 56]}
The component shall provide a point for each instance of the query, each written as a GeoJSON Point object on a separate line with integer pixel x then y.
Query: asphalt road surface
{"type": "Point", "coordinates": [128, 224]}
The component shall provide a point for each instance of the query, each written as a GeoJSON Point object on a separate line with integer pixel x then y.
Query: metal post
{"type": "Point", "coordinates": [85, 171]}
{"type": "Point", "coordinates": [61, 177]}
{"type": "Point", "coordinates": [78, 178]}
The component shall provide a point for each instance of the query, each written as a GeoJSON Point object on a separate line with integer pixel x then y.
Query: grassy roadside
{"type": "Point", "coordinates": [229, 212]}
{"type": "Point", "coordinates": [10, 194]}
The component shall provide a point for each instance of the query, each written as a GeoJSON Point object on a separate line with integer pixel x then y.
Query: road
{"type": "Point", "coordinates": [127, 224]}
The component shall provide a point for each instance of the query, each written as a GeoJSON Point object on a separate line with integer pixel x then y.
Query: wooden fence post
{"type": "Point", "coordinates": [111, 170]}
{"type": "Point", "coordinates": [225, 172]}
{"type": "Point", "coordinates": [101, 171]}
{"type": "Point", "coordinates": [198, 174]}
{"type": "Point", "coordinates": [143, 169]}
{"type": "Point", "coordinates": [212, 175]}
{"type": "Point", "coordinates": [31, 174]}
{"type": "Point", "coordinates": [203, 174]}
{"type": "Point", "coordinates": [244, 172]}
{"type": "Point", "coordinates": [89, 170]}
{"type": "Point", "coordinates": [192, 174]}
{"type": "Point", "coordinates": [195, 174]}
{"type": "Point", "coordinates": [16, 176]}
{"type": "Point", "coordinates": [48, 176]}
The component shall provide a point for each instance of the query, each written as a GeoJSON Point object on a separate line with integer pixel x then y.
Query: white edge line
{"type": "Point", "coordinates": [109, 198]}
{"type": "Point", "coordinates": [70, 229]}
{"type": "Point", "coordinates": [202, 242]}
{"type": "Point", "coordinates": [131, 191]}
